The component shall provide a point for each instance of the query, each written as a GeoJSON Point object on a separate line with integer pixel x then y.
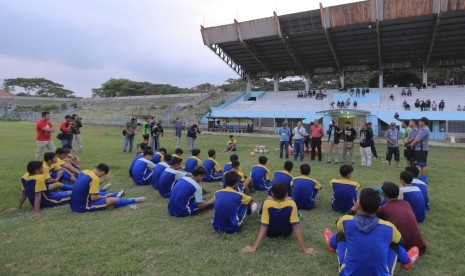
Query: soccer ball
{"type": "Point", "coordinates": [265, 151]}
{"type": "Point", "coordinates": [252, 154]}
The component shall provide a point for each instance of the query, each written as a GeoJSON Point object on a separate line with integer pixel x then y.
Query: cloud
{"type": "Point", "coordinates": [81, 44]}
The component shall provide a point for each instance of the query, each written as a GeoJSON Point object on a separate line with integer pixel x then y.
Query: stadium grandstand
{"type": "Point", "coordinates": [372, 35]}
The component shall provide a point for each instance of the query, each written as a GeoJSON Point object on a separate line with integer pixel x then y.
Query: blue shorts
{"type": "Point", "coordinates": [97, 205]}
{"type": "Point", "coordinates": [51, 199]}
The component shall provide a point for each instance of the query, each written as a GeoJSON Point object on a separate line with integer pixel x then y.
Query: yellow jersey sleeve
{"type": "Point", "coordinates": [217, 166]}
{"type": "Point", "coordinates": [318, 185]}
{"type": "Point", "coordinates": [396, 236]}
{"type": "Point", "coordinates": [40, 184]}
{"type": "Point", "coordinates": [340, 222]}
{"type": "Point", "coordinates": [58, 163]}
{"type": "Point", "coordinates": [94, 185]}
{"type": "Point", "coordinates": [245, 199]}
{"type": "Point", "coordinates": [265, 219]}
{"type": "Point", "coordinates": [294, 214]}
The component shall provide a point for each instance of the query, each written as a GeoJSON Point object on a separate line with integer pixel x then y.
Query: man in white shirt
{"type": "Point", "coordinates": [299, 136]}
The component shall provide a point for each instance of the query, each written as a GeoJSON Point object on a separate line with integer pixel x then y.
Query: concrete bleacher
{"type": "Point", "coordinates": [452, 96]}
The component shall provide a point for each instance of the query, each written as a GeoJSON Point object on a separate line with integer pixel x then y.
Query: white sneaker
{"type": "Point", "coordinates": [139, 199]}
{"type": "Point", "coordinates": [120, 194]}
{"type": "Point", "coordinates": [253, 209]}
{"type": "Point", "coordinates": [106, 187]}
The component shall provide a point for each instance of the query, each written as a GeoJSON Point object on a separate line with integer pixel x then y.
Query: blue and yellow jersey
{"type": "Point", "coordinates": [414, 197]}
{"type": "Point", "coordinates": [344, 194]}
{"type": "Point", "coordinates": [240, 187]}
{"type": "Point", "coordinates": [368, 240]}
{"type": "Point", "coordinates": [261, 177]}
{"type": "Point", "coordinates": [159, 169]}
{"type": "Point", "coordinates": [48, 169]}
{"type": "Point", "coordinates": [33, 184]}
{"type": "Point", "coordinates": [279, 217]}
{"type": "Point", "coordinates": [227, 167]}
{"type": "Point", "coordinates": [424, 190]}
{"type": "Point", "coordinates": [87, 183]}
{"type": "Point", "coordinates": [191, 163]}
{"type": "Point", "coordinates": [185, 198]}
{"type": "Point", "coordinates": [142, 171]}
{"type": "Point", "coordinates": [59, 162]}
{"type": "Point", "coordinates": [212, 167]}
{"type": "Point", "coordinates": [137, 157]}
{"type": "Point", "coordinates": [157, 157]}
{"type": "Point", "coordinates": [304, 191]}
{"type": "Point", "coordinates": [228, 203]}
{"type": "Point", "coordinates": [283, 177]}
{"type": "Point", "coordinates": [167, 181]}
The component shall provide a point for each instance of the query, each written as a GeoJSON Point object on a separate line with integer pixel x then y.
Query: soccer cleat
{"type": "Point", "coordinates": [413, 255]}
{"type": "Point", "coordinates": [139, 199]}
{"type": "Point", "coordinates": [106, 187]}
{"type": "Point", "coordinates": [327, 233]}
{"type": "Point", "coordinates": [120, 194]}
{"type": "Point", "coordinates": [253, 209]}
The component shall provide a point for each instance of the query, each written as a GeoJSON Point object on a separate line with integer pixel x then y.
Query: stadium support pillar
{"type": "Point", "coordinates": [249, 84]}
{"type": "Point", "coordinates": [276, 84]}
{"type": "Point", "coordinates": [425, 75]}
{"type": "Point", "coordinates": [342, 79]}
{"type": "Point", "coordinates": [308, 82]}
{"type": "Point", "coordinates": [381, 84]}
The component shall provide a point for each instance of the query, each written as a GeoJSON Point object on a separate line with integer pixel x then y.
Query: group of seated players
{"type": "Point", "coordinates": [59, 180]}
{"type": "Point", "coordinates": [388, 228]}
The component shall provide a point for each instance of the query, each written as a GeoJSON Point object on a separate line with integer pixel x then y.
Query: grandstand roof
{"type": "Point", "coordinates": [367, 35]}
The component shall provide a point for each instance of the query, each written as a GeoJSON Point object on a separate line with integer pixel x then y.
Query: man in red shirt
{"type": "Point", "coordinates": [399, 213]}
{"type": "Point", "coordinates": [44, 131]}
{"type": "Point", "coordinates": [317, 133]}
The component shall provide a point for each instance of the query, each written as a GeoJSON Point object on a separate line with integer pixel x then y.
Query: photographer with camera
{"type": "Point", "coordinates": [66, 131]}
{"type": "Point", "coordinates": [77, 131]}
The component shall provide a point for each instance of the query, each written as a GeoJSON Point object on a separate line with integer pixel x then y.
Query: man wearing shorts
{"type": "Point", "coordinates": [421, 147]}
{"type": "Point", "coordinates": [391, 136]}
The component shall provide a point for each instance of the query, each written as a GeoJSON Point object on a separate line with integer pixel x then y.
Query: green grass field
{"type": "Point", "coordinates": [148, 241]}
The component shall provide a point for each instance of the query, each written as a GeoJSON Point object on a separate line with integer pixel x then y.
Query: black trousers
{"type": "Point", "coordinates": [316, 143]}
{"type": "Point", "coordinates": [373, 149]}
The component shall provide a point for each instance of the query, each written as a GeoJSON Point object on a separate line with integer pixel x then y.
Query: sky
{"type": "Point", "coordinates": [81, 44]}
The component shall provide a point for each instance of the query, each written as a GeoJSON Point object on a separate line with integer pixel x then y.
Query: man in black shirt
{"type": "Point", "coordinates": [366, 137]}
{"type": "Point", "coordinates": [349, 135]}
{"type": "Point", "coordinates": [372, 142]}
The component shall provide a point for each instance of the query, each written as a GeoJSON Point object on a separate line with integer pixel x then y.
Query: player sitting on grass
{"type": "Point", "coordinates": [138, 156]}
{"type": "Point", "coordinates": [279, 219]}
{"type": "Point", "coordinates": [344, 190]}
{"type": "Point", "coordinates": [49, 164]}
{"type": "Point", "coordinates": [193, 161]}
{"type": "Point", "coordinates": [261, 175]}
{"type": "Point", "coordinates": [158, 156]}
{"type": "Point", "coordinates": [305, 189]}
{"type": "Point", "coordinates": [169, 177]}
{"type": "Point", "coordinates": [227, 167]}
{"type": "Point", "coordinates": [231, 206]}
{"type": "Point", "coordinates": [231, 144]}
{"type": "Point", "coordinates": [365, 244]}
{"type": "Point", "coordinates": [420, 184]}
{"type": "Point", "coordinates": [284, 176]}
{"type": "Point", "coordinates": [34, 189]}
{"type": "Point", "coordinates": [399, 213]}
{"type": "Point", "coordinates": [143, 169]}
{"type": "Point", "coordinates": [87, 197]}
{"type": "Point", "coordinates": [159, 169]}
{"type": "Point", "coordinates": [213, 168]}
{"type": "Point", "coordinates": [412, 195]}
{"type": "Point", "coordinates": [72, 158]}
{"type": "Point", "coordinates": [69, 172]}
{"type": "Point", "coordinates": [178, 153]}
{"type": "Point", "coordinates": [186, 196]}
{"type": "Point", "coordinates": [245, 183]}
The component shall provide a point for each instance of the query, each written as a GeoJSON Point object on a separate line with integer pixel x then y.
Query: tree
{"type": "Point", "coordinates": [40, 87]}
